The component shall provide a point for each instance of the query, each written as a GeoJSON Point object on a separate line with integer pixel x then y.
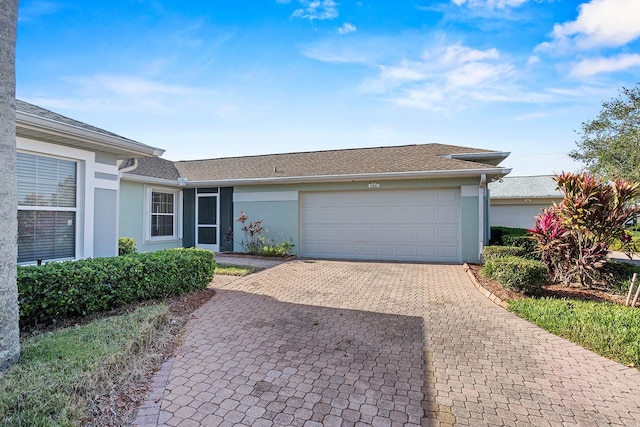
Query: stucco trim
{"type": "Point", "coordinates": [355, 177]}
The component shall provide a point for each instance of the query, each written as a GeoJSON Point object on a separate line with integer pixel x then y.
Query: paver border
{"type": "Point", "coordinates": [493, 297]}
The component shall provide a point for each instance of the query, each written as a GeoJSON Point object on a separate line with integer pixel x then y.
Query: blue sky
{"type": "Point", "coordinates": [206, 79]}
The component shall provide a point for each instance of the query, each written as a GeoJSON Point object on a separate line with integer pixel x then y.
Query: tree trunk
{"type": "Point", "coordinates": [9, 327]}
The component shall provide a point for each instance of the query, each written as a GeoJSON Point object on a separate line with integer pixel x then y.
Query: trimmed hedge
{"type": "Point", "coordinates": [527, 243]}
{"type": "Point", "coordinates": [521, 274]}
{"type": "Point", "coordinates": [493, 252]}
{"type": "Point", "coordinates": [76, 288]}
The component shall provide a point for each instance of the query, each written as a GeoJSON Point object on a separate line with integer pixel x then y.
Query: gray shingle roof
{"type": "Point", "coordinates": [34, 110]}
{"type": "Point", "coordinates": [531, 187]}
{"type": "Point", "coordinates": [153, 167]}
{"type": "Point", "coordinates": [397, 159]}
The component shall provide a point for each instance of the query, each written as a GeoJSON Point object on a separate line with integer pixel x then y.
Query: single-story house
{"type": "Point", "coordinates": [81, 187]}
{"type": "Point", "coordinates": [67, 184]}
{"type": "Point", "coordinates": [425, 202]}
{"type": "Point", "coordinates": [515, 201]}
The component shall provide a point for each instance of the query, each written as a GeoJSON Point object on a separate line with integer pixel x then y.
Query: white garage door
{"type": "Point", "coordinates": [416, 225]}
{"type": "Point", "coordinates": [516, 216]}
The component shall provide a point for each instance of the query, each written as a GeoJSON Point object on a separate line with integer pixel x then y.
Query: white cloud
{"type": "Point", "coordinates": [132, 87]}
{"type": "Point", "coordinates": [533, 59]}
{"type": "Point", "coordinates": [317, 9]}
{"type": "Point", "coordinates": [593, 66]}
{"type": "Point", "coordinates": [108, 92]}
{"type": "Point", "coordinates": [347, 28]}
{"type": "Point", "coordinates": [445, 77]}
{"type": "Point", "coordinates": [489, 4]}
{"type": "Point", "coordinates": [600, 23]}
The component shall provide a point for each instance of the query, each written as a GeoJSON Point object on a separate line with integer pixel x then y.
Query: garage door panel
{"type": "Point", "coordinates": [426, 233]}
{"type": "Point", "coordinates": [447, 233]}
{"type": "Point", "coordinates": [447, 216]}
{"type": "Point", "coordinates": [386, 225]}
{"type": "Point", "coordinates": [447, 251]}
{"type": "Point", "coordinates": [405, 232]}
{"type": "Point", "coordinates": [426, 252]}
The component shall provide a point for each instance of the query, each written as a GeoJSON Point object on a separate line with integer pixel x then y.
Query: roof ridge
{"type": "Point", "coordinates": [334, 151]}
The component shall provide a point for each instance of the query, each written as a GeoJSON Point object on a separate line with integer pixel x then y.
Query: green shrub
{"type": "Point", "coordinates": [126, 246]}
{"type": "Point", "coordinates": [492, 252]}
{"type": "Point", "coordinates": [525, 242]}
{"type": "Point", "coordinates": [77, 288]}
{"type": "Point", "coordinates": [274, 249]}
{"type": "Point", "coordinates": [517, 273]}
{"type": "Point", "coordinates": [509, 231]}
{"type": "Point", "coordinates": [617, 276]}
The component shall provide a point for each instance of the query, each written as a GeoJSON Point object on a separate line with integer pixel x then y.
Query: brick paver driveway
{"type": "Point", "coordinates": [312, 343]}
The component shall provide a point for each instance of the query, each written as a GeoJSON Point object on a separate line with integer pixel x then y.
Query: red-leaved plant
{"type": "Point", "coordinates": [573, 237]}
{"type": "Point", "coordinates": [252, 233]}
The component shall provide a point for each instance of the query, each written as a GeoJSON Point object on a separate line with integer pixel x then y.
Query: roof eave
{"type": "Point", "coordinates": [463, 173]}
{"type": "Point", "coordinates": [79, 137]}
{"type": "Point", "coordinates": [149, 180]}
{"type": "Point", "coordinates": [495, 157]}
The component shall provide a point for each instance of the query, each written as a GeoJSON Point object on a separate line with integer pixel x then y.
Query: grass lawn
{"type": "Point", "coordinates": [609, 329]}
{"type": "Point", "coordinates": [60, 372]}
{"type": "Point", "coordinates": [235, 270]}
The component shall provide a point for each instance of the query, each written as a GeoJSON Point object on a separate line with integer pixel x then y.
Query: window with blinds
{"type": "Point", "coordinates": [47, 208]}
{"type": "Point", "coordinates": [162, 214]}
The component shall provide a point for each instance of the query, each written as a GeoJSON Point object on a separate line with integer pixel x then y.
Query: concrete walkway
{"type": "Point", "coordinates": [312, 343]}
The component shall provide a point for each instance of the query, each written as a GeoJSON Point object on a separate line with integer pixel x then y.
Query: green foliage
{"type": "Point", "coordinates": [521, 274]}
{"type": "Point", "coordinates": [60, 371]}
{"type": "Point", "coordinates": [255, 243]}
{"type": "Point", "coordinates": [508, 236]}
{"type": "Point", "coordinates": [608, 329]}
{"type": "Point", "coordinates": [617, 276]}
{"type": "Point", "coordinates": [609, 145]}
{"type": "Point", "coordinates": [276, 249]}
{"type": "Point", "coordinates": [632, 246]}
{"type": "Point", "coordinates": [126, 246]}
{"type": "Point", "coordinates": [526, 242]}
{"type": "Point", "coordinates": [493, 252]}
{"type": "Point", "coordinates": [509, 231]}
{"type": "Point", "coordinates": [77, 288]}
{"type": "Point", "coordinates": [573, 237]}
{"type": "Point", "coordinates": [235, 270]}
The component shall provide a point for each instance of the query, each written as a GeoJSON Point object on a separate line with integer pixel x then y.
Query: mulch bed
{"type": "Point", "coordinates": [556, 290]}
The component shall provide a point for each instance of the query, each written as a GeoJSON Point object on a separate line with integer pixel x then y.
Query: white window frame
{"type": "Point", "coordinates": [84, 199]}
{"type": "Point", "coordinates": [177, 213]}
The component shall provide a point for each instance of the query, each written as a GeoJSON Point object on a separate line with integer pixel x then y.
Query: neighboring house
{"type": "Point", "coordinates": [67, 178]}
{"type": "Point", "coordinates": [515, 201]}
{"type": "Point", "coordinates": [407, 203]}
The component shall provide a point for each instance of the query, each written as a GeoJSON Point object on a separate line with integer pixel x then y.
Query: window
{"type": "Point", "coordinates": [162, 214]}
{"type": "Point", "coordinates": [47, 208]}
{"type": "Point", "coordinates": [163, 207]}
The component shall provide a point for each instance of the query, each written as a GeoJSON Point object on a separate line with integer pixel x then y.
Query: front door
{"type": "Point", "coordinates": [207, 211]}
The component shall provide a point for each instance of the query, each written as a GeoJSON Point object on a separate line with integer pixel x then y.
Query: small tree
{"type": "Point", "coordinates": [574, 236]}
{"type": "Point", "coordinates": [609, 145]}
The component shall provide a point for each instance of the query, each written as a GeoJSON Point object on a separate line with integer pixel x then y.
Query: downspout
{"type": "Point", "coordinates": [482, 190]}
{"type": "Point", "coordinates": [129, 168]}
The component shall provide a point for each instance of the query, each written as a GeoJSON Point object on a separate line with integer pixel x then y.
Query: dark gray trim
{"type": "Point", "coordinates": [226, 218]}
{"type": "Point", "coordinates": [188, 217]}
